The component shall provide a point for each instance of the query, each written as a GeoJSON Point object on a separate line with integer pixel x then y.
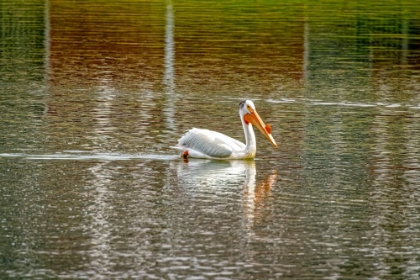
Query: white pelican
{"type": "Point", "coordinates": [204, 143]}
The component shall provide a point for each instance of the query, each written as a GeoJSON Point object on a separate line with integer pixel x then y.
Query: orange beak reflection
{"type": "Point", "coordinates": [255, 119]}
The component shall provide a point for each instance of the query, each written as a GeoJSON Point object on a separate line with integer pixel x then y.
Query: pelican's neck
{"type": "Point", "coordinates": [250, 142]}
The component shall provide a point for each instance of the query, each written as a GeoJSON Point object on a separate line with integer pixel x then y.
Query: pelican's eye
{"type": "Point", "coordinates": [250, 109]}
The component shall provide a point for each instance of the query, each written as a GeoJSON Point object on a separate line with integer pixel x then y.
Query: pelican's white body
{"type": "Point", "coordinates": [204, 143]}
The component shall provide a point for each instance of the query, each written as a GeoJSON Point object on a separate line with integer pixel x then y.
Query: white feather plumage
{"type": "Point", "coordinates": [204, 143]}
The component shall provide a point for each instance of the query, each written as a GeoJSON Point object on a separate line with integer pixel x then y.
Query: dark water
{"type": "Point", "coordinates": [93, 94]}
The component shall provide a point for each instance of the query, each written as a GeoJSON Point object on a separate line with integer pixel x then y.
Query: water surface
{"type": "Point", "coordinates": [93, 95]}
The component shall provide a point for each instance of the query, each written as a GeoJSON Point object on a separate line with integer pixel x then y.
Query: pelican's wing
{"type": "Point", "coordinates": [208, 143]}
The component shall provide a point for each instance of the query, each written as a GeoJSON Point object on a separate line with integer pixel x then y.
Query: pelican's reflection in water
{"type": "Point", "coordinates": [228, 181]}
{"type": "Point", "coordinates": [255, 196]}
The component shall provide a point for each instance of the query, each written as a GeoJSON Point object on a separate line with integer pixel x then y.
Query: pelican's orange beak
{"type": "Point", "coordinates": [255, 119]}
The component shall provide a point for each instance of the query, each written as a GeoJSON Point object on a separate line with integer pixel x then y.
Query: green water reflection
{"type": "Point", "coordinates": [94, 93]}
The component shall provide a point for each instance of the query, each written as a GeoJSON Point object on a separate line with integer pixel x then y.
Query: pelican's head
{"type": "Point", "coordinates": [250, 116]}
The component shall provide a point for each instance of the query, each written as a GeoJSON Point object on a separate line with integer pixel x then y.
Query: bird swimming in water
{"type": "Point", "coordinates": [204, 143]}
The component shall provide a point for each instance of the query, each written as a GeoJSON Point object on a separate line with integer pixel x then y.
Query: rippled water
{"type": "Point", "coordinates": [94, 94]}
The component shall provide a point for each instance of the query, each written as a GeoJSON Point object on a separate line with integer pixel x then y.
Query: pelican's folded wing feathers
{"type": "Point", "coordinates": [206, 142]}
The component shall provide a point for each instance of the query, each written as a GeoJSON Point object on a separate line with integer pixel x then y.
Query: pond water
{"type": "Point", "coordinates": [94, 94]}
